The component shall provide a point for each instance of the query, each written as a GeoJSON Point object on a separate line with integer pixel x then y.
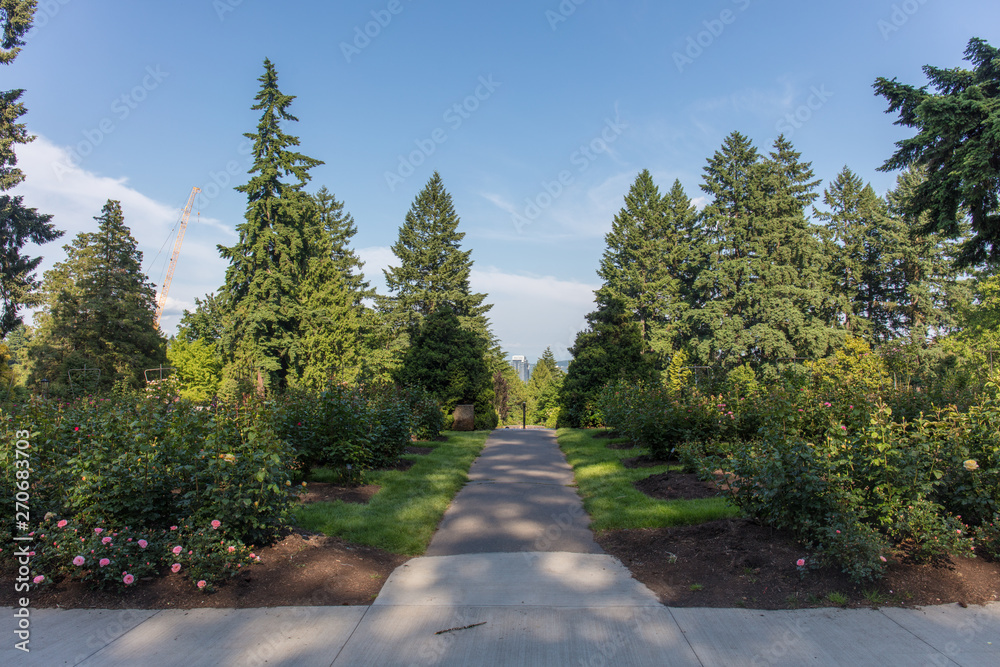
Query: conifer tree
{"type": "Point", "coordinates": [765, 293]}
{"type": "Point", "coordinates": [433, 271]}
{"type": "Point", "coordinates": [271, 257]}
{"type": "Point", "coordinates": [929, 290]}
{"type": "Point", "coordinates": [327, 345]}
{"type": "Point", "coordinates": [684, 257]}
{"type": "Point", "coordinates": [633, 267]}
{"type": "Point", "coordinates": [339, 226]}
{"type": "Point", "coordinates": [864, 244]}
{"type": "Point", "coordinates": [18, 224]}
{"type": "Point", "coordinates": [956, 144]}
{"type": "Point", "coordinates": [100, 310]}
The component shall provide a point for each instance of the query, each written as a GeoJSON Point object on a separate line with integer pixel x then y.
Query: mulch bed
{"type": "Point", "coordinates": [738, 563]}
{"type": "Point", "coordinates": [647, 461]}
{"type": "Point", "coordinates": [301, 569]}
{"type": "Point", "coordinates": [676, 486]}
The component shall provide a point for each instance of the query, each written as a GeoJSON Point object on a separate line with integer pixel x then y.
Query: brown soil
{"type": "Point", "coordinates": [327, 493]}
{"type": "Point", "coordinates": [621, 445]}
{"type": "Point", "coordinates": [647, 461]}
{"type": "Point", "coordinates": [300, 570]}
{"type": "Point", "coordinates": [737, 563]}
{"type": "Point", "coordinates": [676, 486]}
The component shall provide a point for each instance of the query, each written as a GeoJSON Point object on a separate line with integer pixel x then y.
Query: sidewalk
{"type": "Point", "coordinates": [511, 579]}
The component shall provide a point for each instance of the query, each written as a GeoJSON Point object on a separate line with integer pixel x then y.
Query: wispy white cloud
{"type": "Point", "coordinates": [75, 196]}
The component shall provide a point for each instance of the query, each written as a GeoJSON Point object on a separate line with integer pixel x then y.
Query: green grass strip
{"type": "Point", "coordinates": [405, 512]}
{"type": "Point", "coordinates": [609, 497]}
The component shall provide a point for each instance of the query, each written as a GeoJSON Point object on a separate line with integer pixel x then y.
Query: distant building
{"type": "Point", "coordinates": [521, 366]}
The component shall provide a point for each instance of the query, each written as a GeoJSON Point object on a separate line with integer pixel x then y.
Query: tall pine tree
{"type": "Point", "coordinates": [100, 310]}
{"type": "Point", "coordinates": [339, 226]}
{"type": "Point", "coordinates": [271, 257]}
{"type": "Point", "coordinates": [864, 245]}
{"type": "Point", "coordinates": [18, 224]}
{"type": "Point", "coordinates": [765, 294]}
{"type": "Point", "coordinates": [433, 271]}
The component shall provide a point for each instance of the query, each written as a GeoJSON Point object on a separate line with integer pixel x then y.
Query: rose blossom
{"type": "Point", "coordinates": [175, 568]}
{"type": "Point", "coordinates": [78, 561]}
{"type": "Point", "coordinates": [128, 579]}
{"type": "Point", "coordinates": [801, 562]}
{"type": "Point", "coordinates": [103, 562]}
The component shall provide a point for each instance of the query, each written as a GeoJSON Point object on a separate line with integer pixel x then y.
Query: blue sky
{"type": "Point", "coordinates": [538, 115]}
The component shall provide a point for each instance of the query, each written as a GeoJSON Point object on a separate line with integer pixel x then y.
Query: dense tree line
{"type": "Point", "coordinates": [772, 271]}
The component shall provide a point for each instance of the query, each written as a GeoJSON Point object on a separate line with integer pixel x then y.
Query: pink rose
{"type": "Point", "coordinates": [104, 562]}
{"type": "Point", "coordinates": [98, 530]}
{"type": "Point", "coordinates": [252, 555]}
{"type": "Point", "coordinates": [128, 579]}
{"type": "Point", "coordinates": [175, 568]}
{"type": "Point", "coordinates": [201, 584]}
{"type": "Point", "coordinates": [232, 549]}
{"type": "Point", "coordinates": [215, 524]}
{"type": "Point", "coordinates": [78, 561]}
{"type": "Point", "coordinates": [142, 544]}
{"type": "Point", "coordinates": [105, 540]}
{"type": "Point", "coordinates": [173, 527]}
{"type": "Point", "coordinates": [801, 562]}
{"type": "Point", "coordinates": [39, 579]}
{"type": "Point", "coordinates": [177, 549]}
{"type": "Point", "coordinates": [882, 558]}
{"type": "Point", "coordinates": [62, 523]}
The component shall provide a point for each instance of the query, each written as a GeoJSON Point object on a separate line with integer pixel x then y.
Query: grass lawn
{"type": "Point", "coordinates": [611, 500]}
{"type": "Point", "coordinates": [403, 515]}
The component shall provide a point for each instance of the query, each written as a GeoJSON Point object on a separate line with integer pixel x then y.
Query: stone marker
{"type": "Point", "coordinates": [465, 418]}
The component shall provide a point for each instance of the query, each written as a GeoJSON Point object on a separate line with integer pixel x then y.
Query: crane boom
{"type": "Point", "coordinates": [162, 300]}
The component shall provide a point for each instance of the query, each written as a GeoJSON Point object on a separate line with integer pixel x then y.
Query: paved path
{"type": "Point", "coordinates": [520, 497]}
{"type": "Point", "coordinates": [546, 596]}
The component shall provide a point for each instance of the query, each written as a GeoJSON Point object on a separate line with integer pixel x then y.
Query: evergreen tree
{"type": "Point", "coordinates": [633, 267]}
{"type": "Point", "coordinates": [609, 349]}
{"type": "Point", "coordinates": [433, 271]}
{"type": "Point", "coordinates": [100, 310]}
{"type": "Point", "coordinates": [207, 322]}
{"type": "Point", "coordinates": [271, 257]}
{"type": "Point", "coordinates": [683, 256]}
{"type": "Point", "coordinates": [764, 291]}
{"type": "Point", "coordinates": [957, 144]}
{"type": "Point", "coordinates": [330, 312]}
{"type": "Point", "coordinates": [339, 226]}
{"type": "Point", "coordinates": [864, 243]}
{"type": "Point", "coordinates": [449, 361]}
{"type": "Point", "coordinates": [929, 290]}
{"type": "Point", "coordinates": [543, 389]}
{"type": "Point", "coordinates": [18, 224]}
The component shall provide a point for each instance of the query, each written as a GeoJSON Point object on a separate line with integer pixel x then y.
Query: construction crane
{"type": "Point", "coordinates": [162, 300]}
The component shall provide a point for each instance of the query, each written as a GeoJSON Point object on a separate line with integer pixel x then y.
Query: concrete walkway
{"type": "Point", "coordinates": [546, 595]}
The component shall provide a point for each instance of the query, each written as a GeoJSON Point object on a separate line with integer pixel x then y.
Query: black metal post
{"type": "Point", "coordinates": [524, 418]}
